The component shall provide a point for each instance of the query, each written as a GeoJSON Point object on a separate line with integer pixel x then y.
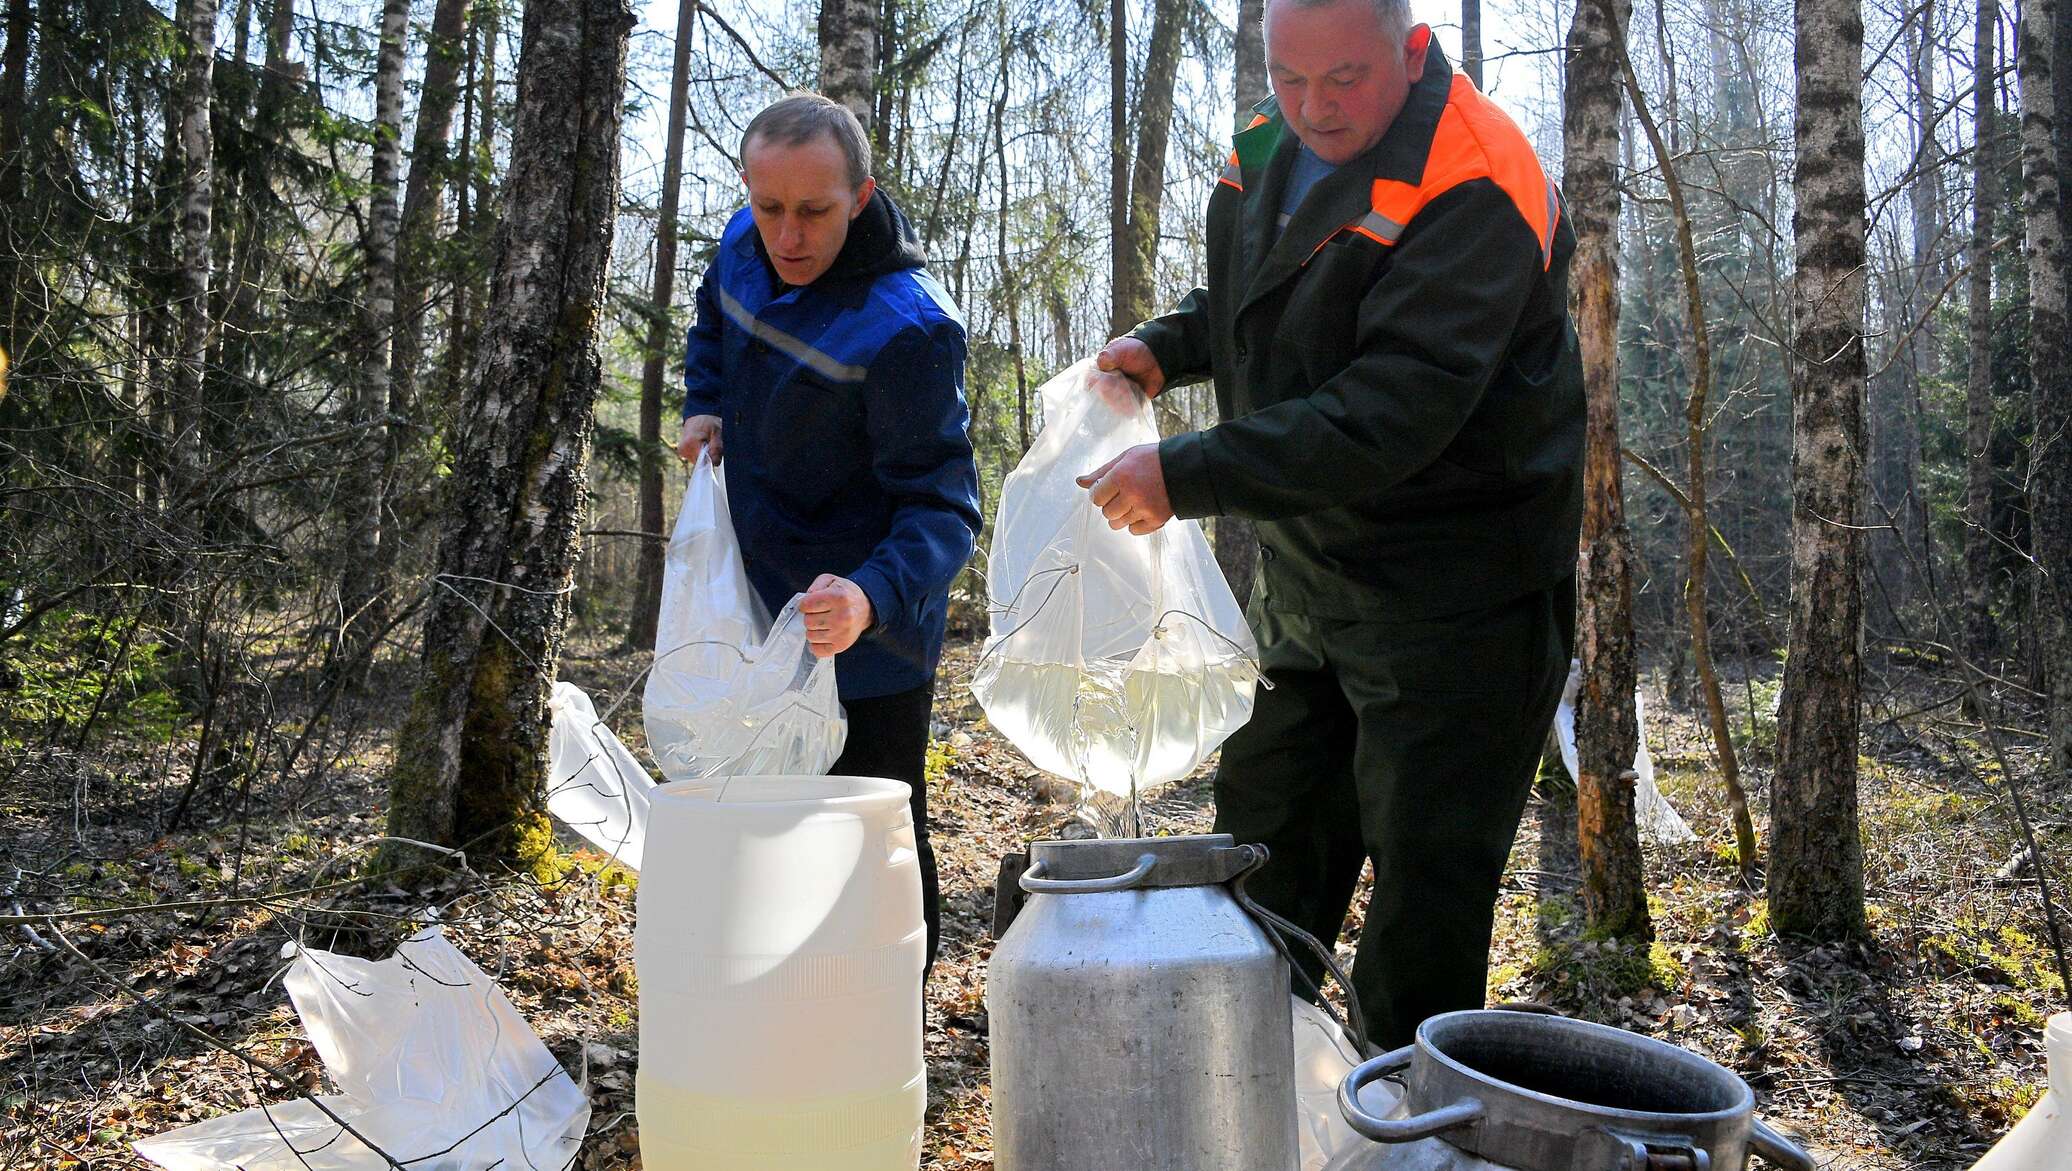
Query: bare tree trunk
{"type": "Point", "coordinates": [1121, 296]}
{"type": "Point", "coordinates": [472, 753]}
{"type": "Point", "coordinates": [1607, 731]}
{"type": "Point", "coordinates": [1816, 872]}
{"type": "Point", "coordinates": [2044, 104]}
{"type": "Point", "coordinates": [661, 341]}
{"type": "Point", "coordinates": [1250, 71]}
{"type": "Point", "coordinates": [362, 582]}
{"type": "Point", "coordinates": [197, 211]}
{"type": "Point", "coordinates": [849, 55]}
{"type": "Point", "coordinates": [1980, 636]}
{"type": "Point", "coordinates": [14, 79]}
{"type": "Point", "coordinates": [1154, 115]}
{"type": "Point", "coordinates": [445, 52]}
{"type": "Point", "coordinates": [1697, 431]}
{"type": "Point", "coordinates": [1237, 541]}
{"type": "Point", "coordinates": [1010, 290]}
{"type": "Point", "coordinates": [1471, 40]}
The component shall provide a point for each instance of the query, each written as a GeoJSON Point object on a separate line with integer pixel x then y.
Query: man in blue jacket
{"type": "Point", "coordinates": [830, 368]}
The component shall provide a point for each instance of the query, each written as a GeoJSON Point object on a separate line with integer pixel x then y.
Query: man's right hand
{"type": "Point", "coordinates": [1132, 359]}
{"type": "Point", "coordinates": [699, 431]}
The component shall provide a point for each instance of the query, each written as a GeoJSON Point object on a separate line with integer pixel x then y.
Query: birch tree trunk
{"type": "Point", "coordinates": [1980, 637]}
{"type": "Point", "coordinates": [472, 752]}
{"type": "Point", "coordinates": [1816, 855]}
{"type": "Point", "coordinates": [849, 55]}
{"type": "Point", "coordinates": [445, 52]}
{"type": "Point", "coordinates": [2050, 358]}
{"type": "Point", "coordinates": [1607, 731]}
{"type": "Point", "coordinates": [361, 604]}
{"type": "Point", "coordinates": [661, 342]}
{"type": "Point", "coordinates": [197, 210]}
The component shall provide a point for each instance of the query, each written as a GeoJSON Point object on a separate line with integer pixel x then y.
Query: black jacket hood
{"type": "Point", "coordinates": [881, 240]}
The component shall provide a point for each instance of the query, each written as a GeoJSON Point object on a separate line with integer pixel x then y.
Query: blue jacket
{"type": "Point", "coordinates": [843, 418]}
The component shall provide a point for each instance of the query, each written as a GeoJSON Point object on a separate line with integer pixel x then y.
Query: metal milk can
{"type": "Point", "coordinates": [1140, 1017]}
{"type": "Point", "coordinates": [1491, 1089]}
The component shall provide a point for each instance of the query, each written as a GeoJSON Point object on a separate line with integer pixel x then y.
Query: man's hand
{"type": "Point", "coordinates": [1133, 360]}
{"type": "Point", "coordinates": [1130, 490]}
{"type": "Point", "coordinates": [837, 612]}
{"type": "Point", "coordinates": [699, 431]}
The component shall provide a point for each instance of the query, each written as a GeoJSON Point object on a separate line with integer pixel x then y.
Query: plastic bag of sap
{"type": "Point", "coordinates": [433, 1066]}
{"type": "Point", "coordinates": [1115, 660]}
{"type": "Point", "coordinates": [1324, 1056]}
{"type": "Point", "coordinates": [1660, 824]}
{"type": "Point", "coordinates": [595, 785]}
{"type": "Point", "coordinates": [732, 693]}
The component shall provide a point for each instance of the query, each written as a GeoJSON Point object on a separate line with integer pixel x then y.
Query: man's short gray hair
{"type": "Point", "coordinates": [800, 118]}
{"type": "Point", "coordinates": [1394, 14]}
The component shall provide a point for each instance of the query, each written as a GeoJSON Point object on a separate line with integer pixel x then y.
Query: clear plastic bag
{"type": "Point", "coordinates": [1118, 661]}
{"type": "Point", "coordinates": [1660, 823]}
{"type": "Point", "coordinates": [433, 1066]}
{"type": "Point", "coordinates": [732, 693]}
{"type": "Point", "coordinates": [595, 785]}
{"type": "Point", "coordinates": [1324, 1055]}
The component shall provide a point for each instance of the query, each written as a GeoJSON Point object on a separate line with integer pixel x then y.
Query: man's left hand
{"type": "Point", "coordinates": [837, 612]}
{"type": "Point", "coordinates": [1130, 490]}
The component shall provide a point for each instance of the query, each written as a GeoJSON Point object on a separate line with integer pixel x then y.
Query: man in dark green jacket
{"type": "Point", "coordinates": [1385, 318]}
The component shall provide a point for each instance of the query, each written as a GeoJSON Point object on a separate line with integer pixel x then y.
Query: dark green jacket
{"type": "Point", "coordinates": [1397, 376]}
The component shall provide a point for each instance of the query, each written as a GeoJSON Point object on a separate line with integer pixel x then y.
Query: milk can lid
{"type": "Point", "coordinates": [1187, 860]}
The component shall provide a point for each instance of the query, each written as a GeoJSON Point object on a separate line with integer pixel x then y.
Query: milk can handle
{"type": "Point", "coordinates": [1452, 1116]}
{"type": "Point", "coordinates": [1032, 880]}
{"type": "Point", "coordinates": [1778, 1149]}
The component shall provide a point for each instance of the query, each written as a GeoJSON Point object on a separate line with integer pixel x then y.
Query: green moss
{"type": "Point", "coordinates": [940, 757]}
{"type": "Point", "coordinates": [532, 848]}
{"type": "Point", "coordinates": [1998, 954]}
{"type": "Point", "coordinates": [1607, 968]}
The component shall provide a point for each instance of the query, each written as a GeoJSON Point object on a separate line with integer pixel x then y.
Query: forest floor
{"type": "Point", "coordinates": [1916, 1051]}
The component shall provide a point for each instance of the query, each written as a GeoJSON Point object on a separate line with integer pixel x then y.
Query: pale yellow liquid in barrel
{"type": "Point", "coordinates": [681, 1131]}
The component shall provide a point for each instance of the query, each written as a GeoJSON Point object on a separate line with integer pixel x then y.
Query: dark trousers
{"type": "Point", "coordinates": [1412, 744]}
{"type": "Point", "coordinates": [888, 737]}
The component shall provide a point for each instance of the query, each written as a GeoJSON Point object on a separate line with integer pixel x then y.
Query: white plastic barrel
{"type": "Point", "coordinates": [779, 946]}
{"type": "Point", "coordinates": [2042, 1140]}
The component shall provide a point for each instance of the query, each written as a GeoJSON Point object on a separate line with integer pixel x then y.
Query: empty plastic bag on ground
{"type": "Point", "coordinates": [732, 693]}
{"type": "Point", "coordinates": [1660, 823]}
{"type": "Point", "coordinates": [1324, 1055]}
{"type": "Point", "coordinates": [595, 786]}
{"type": "Point", "coordinates": [1116, 660]}
{"type": "Point", "coordinates": [433, 1067]}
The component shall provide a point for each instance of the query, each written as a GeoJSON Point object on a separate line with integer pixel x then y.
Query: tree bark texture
{"type": "Point", "coordinates": [1120, 294]}
{"type": "Point", "coordinates": [1980, 636]}
{"type": "Point", "coordinates": [1607, 730]}
{"type": "Point", "coordinates": [362, 584]}
{"type": "Point", "coordinates": [2044, 103]}
{"type": "Point", "coordinates": [197, 210]}
{"type": "Point", "coordinates": [1698, 531]}
{"type": "Point", "coordinates": [1250, 71]}
{"type": "Point", "coordinates": [1816, 871]}
{"type": "Point", "coordinates": [849, 55]}
{"type": "Point", "coordinates": [1154, 114]}
{"type": "Point", "coordinates": [1471, 40]}
{"type": "Point", "coordinates": [472, 752]}
{"type": "Point", "coordinates": [661, 343]}
{"type": "Point", "coordinates": [445, 52]}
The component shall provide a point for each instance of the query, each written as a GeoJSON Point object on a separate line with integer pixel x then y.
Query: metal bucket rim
{"type": "Point", "coordinates": [1428, 1049]}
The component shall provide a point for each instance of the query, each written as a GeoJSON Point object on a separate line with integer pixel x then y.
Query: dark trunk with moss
{"type": "Point", "coordinates": [471, 758]}
{"type": "Point", "coordinates": [1816, 853]}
